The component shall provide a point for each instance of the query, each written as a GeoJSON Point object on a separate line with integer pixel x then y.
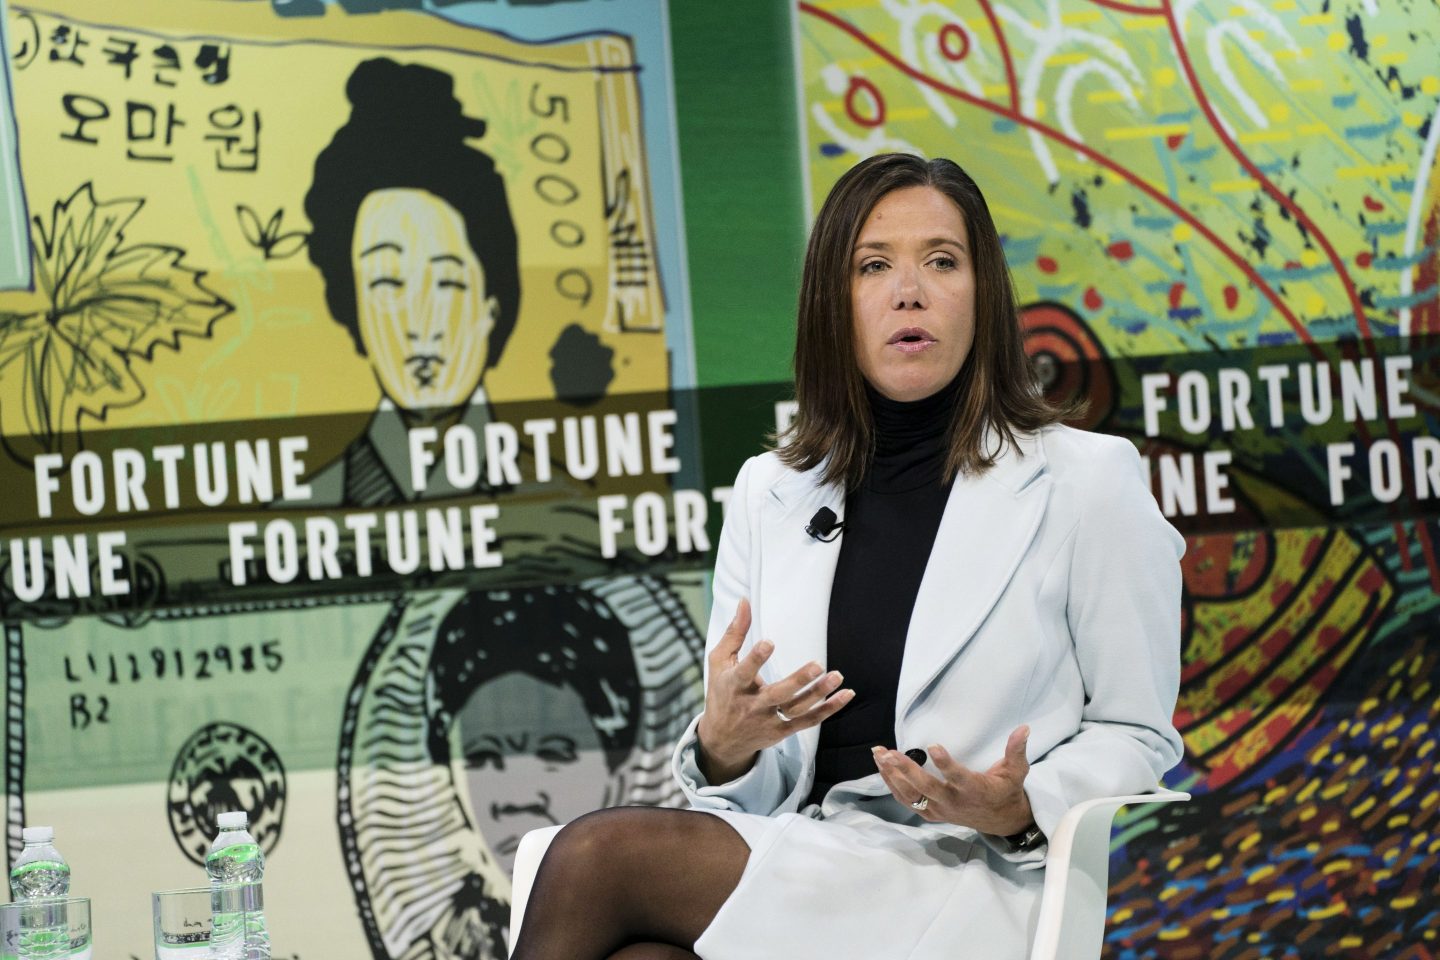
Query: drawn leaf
{"type": "Point", "coordinates": [250, 226]}
{"type": "Point", "coordinates": [273, 227]}
{"type": "Point", "coordinates": [109, 303]}
{"type": "Point", "coordinates": [16, 331]}
{"type": "Point", "coordinates": [287, 245]}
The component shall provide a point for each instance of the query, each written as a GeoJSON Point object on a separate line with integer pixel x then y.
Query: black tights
{"type": "Point", "coordinates": [630, 883]}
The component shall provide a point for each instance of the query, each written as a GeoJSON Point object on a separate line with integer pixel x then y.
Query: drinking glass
{"type": "Point", "coordinates": [197, 923]}
{"type": "Point", "coordinates": [49, 928]}
{"type": "Point", "coordinates": [182, 923]}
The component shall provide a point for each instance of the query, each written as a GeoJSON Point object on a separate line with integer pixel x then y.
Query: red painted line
{"type": "Point", "coordinates": [858, 84]}
{"type": "Point", "coordinates": [1428, 547]}
{"type": "Point", "coordinates": [955, 30]}
{"type": "Point", "coordinates": [1015, 116]}
{"type": "Point", "coordinates": [1004, 54]}
{"type": "Point", "coordinates": [1402, 546]}
{"type": "Point", "coordinates": [1129, 8]}
{"type": "Point", "coordinates": [1361, 323]}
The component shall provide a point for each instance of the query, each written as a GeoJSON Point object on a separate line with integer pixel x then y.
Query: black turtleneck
{"type": "Point", "coordinates": [890, 525]}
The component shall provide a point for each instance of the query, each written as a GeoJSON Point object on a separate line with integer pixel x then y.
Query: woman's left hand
{"type": "Point", "coordinates": [992, 802]}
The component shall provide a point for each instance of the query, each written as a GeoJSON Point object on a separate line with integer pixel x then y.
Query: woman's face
{"type": "Point", "coordinates": [532, 759]}
{"type": "Point", "coordinates": [912, 294]}
{"type": "Point", "coordinates": [424, 317]}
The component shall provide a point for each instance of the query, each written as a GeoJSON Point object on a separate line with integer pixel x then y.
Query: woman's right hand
{"type": "Point", "coordinates": [743, 715]}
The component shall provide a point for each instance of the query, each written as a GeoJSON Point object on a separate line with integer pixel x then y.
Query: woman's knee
{"type": "Point", "coordinates": [610, 840]}
{"type": "Point", "coordinates": [594, 840]}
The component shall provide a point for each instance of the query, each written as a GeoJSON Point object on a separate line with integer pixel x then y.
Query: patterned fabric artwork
{"type": "Point", "coordinates": [1202, 186]}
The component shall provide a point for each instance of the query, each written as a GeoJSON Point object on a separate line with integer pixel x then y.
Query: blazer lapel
{"type": "Point", "coordinates": [795, 576]}
{"type": "Point", "coordinates": [988, 524]}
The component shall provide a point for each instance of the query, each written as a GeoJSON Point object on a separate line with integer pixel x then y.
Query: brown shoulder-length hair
{"type": "Point", "coordinates": [997, 393]}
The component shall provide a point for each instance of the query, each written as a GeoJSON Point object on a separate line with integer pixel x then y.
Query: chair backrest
{"type": "Point", "coordinates": [1077, 874]}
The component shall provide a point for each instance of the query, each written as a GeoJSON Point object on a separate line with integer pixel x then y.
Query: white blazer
{"type": "Point", "coordinates": [1051, 598]}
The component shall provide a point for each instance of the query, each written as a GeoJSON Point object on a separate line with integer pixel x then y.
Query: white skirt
{"type": "Point", "coordinates": [854, 885]}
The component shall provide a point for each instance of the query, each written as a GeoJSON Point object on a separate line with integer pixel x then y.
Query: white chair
{"type": "Point", "coordinates": [527, 860]}
{"type": "Point", "coordinates": [1072, 907]}
{"type": "Point", "coordinates": [1077, 878]}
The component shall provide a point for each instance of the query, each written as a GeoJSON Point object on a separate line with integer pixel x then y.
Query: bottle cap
{"type": "Point", "coordinates": [232, 820]}
{"type": "Point", "coordinates": [38, 834]}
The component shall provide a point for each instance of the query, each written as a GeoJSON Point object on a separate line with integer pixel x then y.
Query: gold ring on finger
{"type": "Point", "coordinates": [920, 804]}
{"type": "Point", "coordinates": [782, 715]}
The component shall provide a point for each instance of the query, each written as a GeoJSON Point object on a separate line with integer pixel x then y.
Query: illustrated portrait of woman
{"type": "Point", "coordinates": [536, 694]}
{"type": "Point", "coordinates": [413, 236]}
{"type": "Point", "coordinates": [479, 716]}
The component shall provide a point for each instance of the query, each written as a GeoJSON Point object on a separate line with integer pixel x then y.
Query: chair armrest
{"type": "Point", "coordinates": [527, 862]}
{"type": "Point", "coordinates": [1071, 925]}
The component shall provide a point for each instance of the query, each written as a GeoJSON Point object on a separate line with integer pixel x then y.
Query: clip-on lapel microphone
{"type": "Point", "coordinates": [824, 526]}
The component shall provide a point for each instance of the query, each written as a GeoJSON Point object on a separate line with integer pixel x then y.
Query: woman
{"type": "Point", "coordinates": [413, 235]}
{"type": "Point", "coordinates": [1002, 605]}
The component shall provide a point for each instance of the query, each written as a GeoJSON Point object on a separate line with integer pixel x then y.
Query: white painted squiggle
{"type": "Point", "coordinates": [1107, 48]}
{"type": "Point", "coordinates": [1417, 210]}
{"type": "Point", "coordinates": [1215, 48]}
{"type": "Point", "coordinates": [1049, 39]}
{"type": "Point", "coordinates": [837, 82]}
{"type": "Point", "coordinates": [1271, 22]}
{"type": "Point", "coordinates": [1181, 12]}
{"type": "Point", "coordinates": [1065, 93]}
{"type": "Point", "coordinates": [908, 19]}
{"type": "Point", "coordinates": [1215, 52]}
{"type": "Point", "coordinates": [877, 141]}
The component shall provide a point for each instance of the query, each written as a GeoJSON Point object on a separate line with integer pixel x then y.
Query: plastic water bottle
{"type": "Point", "coordinates": [40, 871]}
{"type": "Point", "coordinates": [39, 874]}
{"type": "Point", "coordinates": [237, 912]}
